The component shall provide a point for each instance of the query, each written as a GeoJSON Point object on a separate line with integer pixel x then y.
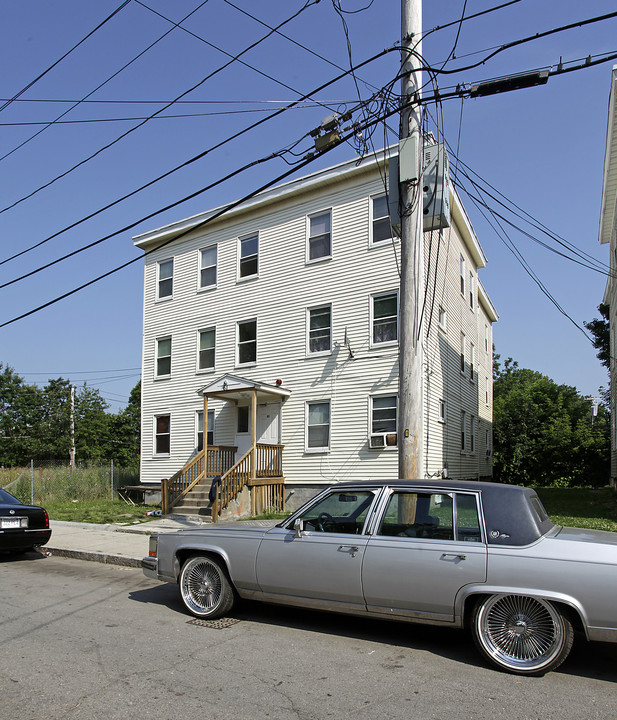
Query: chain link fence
{"type": "Point", "coordinates": [61, 483]}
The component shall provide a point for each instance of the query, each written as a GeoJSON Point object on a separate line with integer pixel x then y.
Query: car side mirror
{"type": "Point", "coordinates": [298, 527]}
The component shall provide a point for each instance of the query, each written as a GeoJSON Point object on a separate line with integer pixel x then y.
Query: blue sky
{"type": "Point", "coordinates": [543, 148]}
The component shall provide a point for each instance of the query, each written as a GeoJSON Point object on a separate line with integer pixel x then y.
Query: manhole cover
{"type": "Point", "coordinates": [219, 624]}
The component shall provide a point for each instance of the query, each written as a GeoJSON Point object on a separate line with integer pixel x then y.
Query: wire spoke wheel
{"type": "Point", "coordinates": [522, 634]}
{"type": "Point", "coordinates": [204, 587]}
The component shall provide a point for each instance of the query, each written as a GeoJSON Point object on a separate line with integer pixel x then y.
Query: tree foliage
{"type": "Point", "coordinates": [544, 433]}
{"type": "Point", "coordinates": [35, 423]}
{"type": "Point", "coordinates": [600, 329]}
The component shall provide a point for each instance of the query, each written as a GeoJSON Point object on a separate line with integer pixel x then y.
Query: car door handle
{"type": "Point", "coordinates": [354, 549]}
{"type": "Point", "coordinates": [457, 556]}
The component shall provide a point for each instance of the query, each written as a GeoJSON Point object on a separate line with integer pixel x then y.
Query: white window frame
{"type": "Point", "coordinates": [443, 318]}
{"type": "Point", "coordinates": [486, 338]}
{"type": "Point", "coordinates": [155, 435]}
{"type": "Point", "coordinates": [441, 410]}
{"type": "Point", "coordinates": [462, 353]}
{"type": "Point", "coordinates": [472, 435]}
{"type": "Point", "coordinates": [385, 343]}
{"type": "Point", "coordinates": [208, 368]}
{"type": "Point", "coordinates": [202, 267]}
{"type": "Point", "coordinates": [389, 443]}
{"type": "Point", "coordinates": [310, 217]}
{"type": "Point", "coordinates": [252, 276]}
{"type": "Point", "coordinates": [320, 448]}
{"type": "Point", "coordinates": [471, 291]}
{"type": "Point", "coordinates": [463, 431]}
{"type": "Point", "coordinates": [199, 414]}
{"type": "Point", "coordinates": [472, 359]}
{"type": "Point", "coordinates": [250, 363]}
{"type": "Point", "coordinates": [160, 280]}
{"type": "Point", "coordinates": [317, 353]}
{"type": "Point", "coordinates": [157, 342]}
{"type": "Point", "coordinates": [462, 279]}
{"type": "Point", "coordinates": [487, 392]}
{"type": "Point", "coordinates": [373, 219]}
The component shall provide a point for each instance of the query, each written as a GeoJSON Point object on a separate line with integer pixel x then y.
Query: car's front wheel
{"type": "Point", "coordinates": [524, 635]}
{"type": "Point", "coordinates": [205, 588]}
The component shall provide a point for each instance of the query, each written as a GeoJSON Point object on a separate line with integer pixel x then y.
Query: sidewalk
{"type": "Point", "coordinates": [114, 544]}
{"type": "Point", "coordinates": [119, 544]}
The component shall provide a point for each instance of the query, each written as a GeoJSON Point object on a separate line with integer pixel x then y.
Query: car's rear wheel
{"type": "Point", "coordinates": [205, 588]}
{"type": "Point", "coordinates": [524, 635]}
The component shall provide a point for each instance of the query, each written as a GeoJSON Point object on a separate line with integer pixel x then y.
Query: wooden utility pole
{"type": "Point", "coordinates": [411, 356]}
{"type": "Point", "coordinates": [72, 429]}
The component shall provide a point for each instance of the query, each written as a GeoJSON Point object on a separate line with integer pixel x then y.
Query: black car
{"type": "Point", "coordinates": [22, 527]}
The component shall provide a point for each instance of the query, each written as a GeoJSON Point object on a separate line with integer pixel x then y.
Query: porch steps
{"type": "Point", "coordinates": [197, 502]}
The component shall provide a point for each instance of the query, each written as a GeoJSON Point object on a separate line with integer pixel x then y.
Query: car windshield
{"type": "Point", "coordinates": [7, 499]}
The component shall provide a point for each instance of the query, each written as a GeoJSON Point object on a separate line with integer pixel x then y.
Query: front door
{"type": "Point", "coordinates": [268, 426]}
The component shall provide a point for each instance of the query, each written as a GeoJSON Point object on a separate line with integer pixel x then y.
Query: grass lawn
{"type": "Point", "coordinates": [99, 511]}
{"type": "Point", "coordinates": [594, 508]}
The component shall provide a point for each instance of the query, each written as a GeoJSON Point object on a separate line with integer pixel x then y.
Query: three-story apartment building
{"type": "Point", "coordinates": [283, 314]}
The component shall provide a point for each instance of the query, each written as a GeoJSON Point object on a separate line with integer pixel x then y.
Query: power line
{"type": "Point", "coordinates": [98, 87]}
{"type": "Point", "coordinates": [307, 4]}
{"type": "Point", "coordinates": [66, 54]}
{"type": "Point", "coordinates": [195, 158]}
{"type": "Point", "coordinates": [311, 157]}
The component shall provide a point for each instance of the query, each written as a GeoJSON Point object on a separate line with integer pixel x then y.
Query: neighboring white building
{"type": "Point", "coordinates": [608, 235]}
{"type": "Point", "coordinates": [292, 298]}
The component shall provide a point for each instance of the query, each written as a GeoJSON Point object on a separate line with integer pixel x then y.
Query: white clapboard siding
{"type": "Point", "coordinates": [278, 299]}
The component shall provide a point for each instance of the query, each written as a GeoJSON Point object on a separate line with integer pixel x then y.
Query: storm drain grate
{"type": "Point", "coordinates": [219, 624]}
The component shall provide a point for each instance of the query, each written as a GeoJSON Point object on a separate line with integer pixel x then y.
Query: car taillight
{"type": "Point", "coordinates": [46, 519]}
{"type": "Point", "coordinates": [152, 547]}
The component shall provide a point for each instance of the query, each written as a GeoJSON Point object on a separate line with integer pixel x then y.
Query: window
{"type": "Point", "coordinates": [162, 434]}
{"type": "Point", "coordinates": [462, 352]}
{"type": "Point", "coordinates": [320, 329]}
{"type": "Point", "coordinates": [249, 250]}
{"type": "Point", "coordinates": [471, 359]}
{"type": "Point", "coordinates": [472, 434]}
{"type": "Point", "coordinates": [207, 267]}
{"type": "Point", "coordinates": [442, 318]}
{"type": "Point", "coordinates": [163, 357]}
{"type": "Point", "coordinates": [462, 268]}
{"type": "Point", "coordinates": [385, 318]}
{"type": "Point", "coordinates": [339, 513]}
{"type": "Point", "coordinates": [200, 429]}
{"type": "Point", "coordinates": [486, 338]}
{"type": "Point", "coordinates": [247, 342]}
{"type": "Point", "coordinates": [242, 419]}
{"type": "Point", "coordinates": [318, 426]}
{"type": "Point", "coordinates": [419, 515]}
{"type": "Point", "coordinates": [320, 238]}
{"type": "Point", "coordinates": [471, 289]}
{"type": "Point", "coordinates": [463, 430]}
{"type": "Point", "coordinates": [383, 421]}
{"type": "Point", "coordinates": [487, 391]}
{"type": "Point", "coordinates": [442, 411]}
{"type": "Point", "coordinates": [207, 341]}
{"type": "Point", "coordinates": [467, 519]}
{"type": "Point", "coordinates": [380, 220]}
{"type": "Point", "coordinates": [165, 280]}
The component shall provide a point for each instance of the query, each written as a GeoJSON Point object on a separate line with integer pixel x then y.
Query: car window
{"type": "Point", "coordinates": [339, 512]}
{"type": "Point", "coordinates": [418, 515]}
{"type": "Point", "coordinates": [467, 519]}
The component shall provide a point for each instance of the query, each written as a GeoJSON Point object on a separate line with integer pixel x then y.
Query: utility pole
{"type": "Point", "coordinates": [411, 356]}
{"type": "Point", "coordinates": [72, 429]}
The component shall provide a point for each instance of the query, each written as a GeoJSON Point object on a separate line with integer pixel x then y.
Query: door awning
{"type": "Point", "coordinates": [233, 387]}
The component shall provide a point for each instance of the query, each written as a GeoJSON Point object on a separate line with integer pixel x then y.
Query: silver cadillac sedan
{"type": "Point", "coordinates": [483, 556]}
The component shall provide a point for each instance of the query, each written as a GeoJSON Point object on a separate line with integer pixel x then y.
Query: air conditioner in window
{"type": "Point", "coordinates": [380, 440]}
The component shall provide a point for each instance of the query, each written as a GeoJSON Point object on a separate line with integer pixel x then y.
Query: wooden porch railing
{"type": "Point", "coordinates": [267, 489]}
{"type": "Point", "coordinates": [220, 459]}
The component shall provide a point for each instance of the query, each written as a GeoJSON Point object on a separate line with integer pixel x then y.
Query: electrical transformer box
{"type": "Point", "coordinates": [435, 187]}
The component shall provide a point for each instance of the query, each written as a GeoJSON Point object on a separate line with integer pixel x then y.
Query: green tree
{"type": "Point", "coordinates": [543, 432]}
{"type": "Point", "coordinates": [600, 328]}
{"type": "Point", "coordinates": [125, 432]}
{"type": "Point", "coordinates": [20, 406]}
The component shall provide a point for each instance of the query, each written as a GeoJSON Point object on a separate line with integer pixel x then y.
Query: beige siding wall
{"type": "Point", "coordinates": [278, 299]}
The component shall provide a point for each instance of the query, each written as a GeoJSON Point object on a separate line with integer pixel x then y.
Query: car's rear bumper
{"type": "Point", "coordinates": [23, 539]}
{"type": "Point", "coordinates": [150, 567]}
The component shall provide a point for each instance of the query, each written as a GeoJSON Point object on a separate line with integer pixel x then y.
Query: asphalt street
{"type": "Point", "coordinates": [85, 640]}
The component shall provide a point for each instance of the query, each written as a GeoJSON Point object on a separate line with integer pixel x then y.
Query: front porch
{"type": "Point", "coordinates": [218, 478]}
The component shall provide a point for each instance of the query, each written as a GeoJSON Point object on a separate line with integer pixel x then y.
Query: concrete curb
{"type": "Point", "coordinates": [100, 557]}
